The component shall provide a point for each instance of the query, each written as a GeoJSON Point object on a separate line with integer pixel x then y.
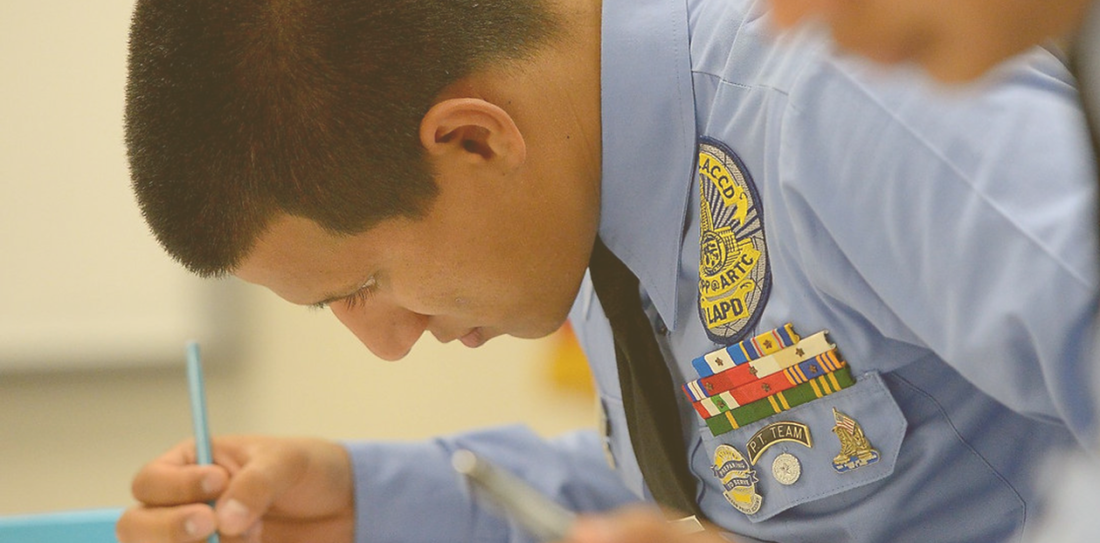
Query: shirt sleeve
{"type": "Point", "coordinates": [964, 224]}
{"type": "Point", "coordinates": [408, 492]}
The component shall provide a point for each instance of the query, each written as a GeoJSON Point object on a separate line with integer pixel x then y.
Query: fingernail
{"type": "Point", "coordinates": [233, 517]}
{"type": "Point", "coordinates": [211, 484]}
{"type": "Point", "coordinates": [255, 533]}
{"type": "Point", "coordinates": [198, 526]}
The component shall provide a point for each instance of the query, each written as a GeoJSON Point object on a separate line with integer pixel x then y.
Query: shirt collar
{"type": "Point", "coordinates": [648, 123]}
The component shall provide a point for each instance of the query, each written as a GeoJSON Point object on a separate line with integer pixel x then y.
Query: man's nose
{"type": "Point", "coordinates": [387, 330]}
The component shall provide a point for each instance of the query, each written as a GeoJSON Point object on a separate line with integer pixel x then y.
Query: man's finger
{"type": "Point", "coordinates": [637, 525]}
{"type": "Point", "coordinates": [257, 485]}
{"type": "Point", "coordinates": [163, 484]}
{"type": "Point", "coordinates": [183, 524]}
{"type": "Point", "coordinates": [174, 479]}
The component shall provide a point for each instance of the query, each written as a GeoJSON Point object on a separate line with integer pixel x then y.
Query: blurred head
{"type": "Point", "coordinates": [240, 112]}
{"type": "Point", "coordinates": [954, 40]}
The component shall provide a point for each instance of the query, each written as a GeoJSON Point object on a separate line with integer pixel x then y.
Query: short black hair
{"type": "Point", "coordinates": [239, 110]}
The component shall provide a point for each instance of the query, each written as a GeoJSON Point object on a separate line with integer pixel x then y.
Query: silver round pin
{"type": "Point", "coordinates": [786, 469]}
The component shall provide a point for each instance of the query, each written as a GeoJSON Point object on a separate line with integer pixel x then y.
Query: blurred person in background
{"type": "Point", "coordinates": [958, 41]}
{"type": "Point", "coordinates": [953, 40]}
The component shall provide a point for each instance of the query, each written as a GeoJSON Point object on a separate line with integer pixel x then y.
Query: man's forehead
{"type": "Point", "coordinates": [302, 262]}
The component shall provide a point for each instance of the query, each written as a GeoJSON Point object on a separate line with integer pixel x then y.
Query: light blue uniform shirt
{"type": "Point", "coordinates": [947, 245]}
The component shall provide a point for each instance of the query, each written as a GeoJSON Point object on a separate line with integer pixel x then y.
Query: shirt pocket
{"type": "Point", "coordinates": [837, 442]}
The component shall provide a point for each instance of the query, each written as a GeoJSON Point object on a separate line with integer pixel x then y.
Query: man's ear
{"type": "Point", "coordinates": [474, 131]}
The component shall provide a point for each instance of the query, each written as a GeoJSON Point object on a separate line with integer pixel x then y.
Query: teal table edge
{"type": "Point", "coordinates": [74, 526]}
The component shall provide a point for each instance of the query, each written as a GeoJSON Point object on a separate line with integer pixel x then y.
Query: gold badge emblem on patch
{"type": "Point", "coordinates": [855, 448]}
{"type": "Point", "coordinates": [738, 479]}
{"type": "Point", "coordinates": [734, 273]}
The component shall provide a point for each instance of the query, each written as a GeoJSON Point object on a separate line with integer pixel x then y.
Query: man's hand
{"type": "Point", "coordinates": [636, 524]}
{"type": "Point", "coordinates": [288, 489]}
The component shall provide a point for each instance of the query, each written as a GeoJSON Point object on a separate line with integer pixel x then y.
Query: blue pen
{"type": "Point", "coordinates": [198, 412]}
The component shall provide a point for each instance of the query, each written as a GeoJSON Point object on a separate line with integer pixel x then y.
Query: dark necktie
{"type": "Point", "coordinates": [1085, 66]}
{"type": "Point", "coordinates": [648, 393]}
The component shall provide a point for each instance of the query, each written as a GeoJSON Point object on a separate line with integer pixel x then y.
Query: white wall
{"type": "Point", "coordinates": [71, 438]}
{"type": "Point", "coordinates": [76, 262]}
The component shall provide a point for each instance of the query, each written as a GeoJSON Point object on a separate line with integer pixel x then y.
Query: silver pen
{"type": "Point", "coordinates": [538, 514]}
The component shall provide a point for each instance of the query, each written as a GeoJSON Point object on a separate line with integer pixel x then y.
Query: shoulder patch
{"type": "Point", "coordinates": [734, 272]}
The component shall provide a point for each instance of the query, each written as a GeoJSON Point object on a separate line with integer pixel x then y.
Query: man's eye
{"type": "Point", "coordinates": [360, 296]}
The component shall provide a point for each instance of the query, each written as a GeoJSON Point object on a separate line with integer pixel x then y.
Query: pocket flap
{"type": "Point", "coordinates": [821, 448]}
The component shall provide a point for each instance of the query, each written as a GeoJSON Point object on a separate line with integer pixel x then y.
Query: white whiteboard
{"type": "Point", "coordinates": [82, 282]}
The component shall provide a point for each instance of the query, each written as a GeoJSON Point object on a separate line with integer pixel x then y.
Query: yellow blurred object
{"type": "Point", "coordinates": [568, 365]}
